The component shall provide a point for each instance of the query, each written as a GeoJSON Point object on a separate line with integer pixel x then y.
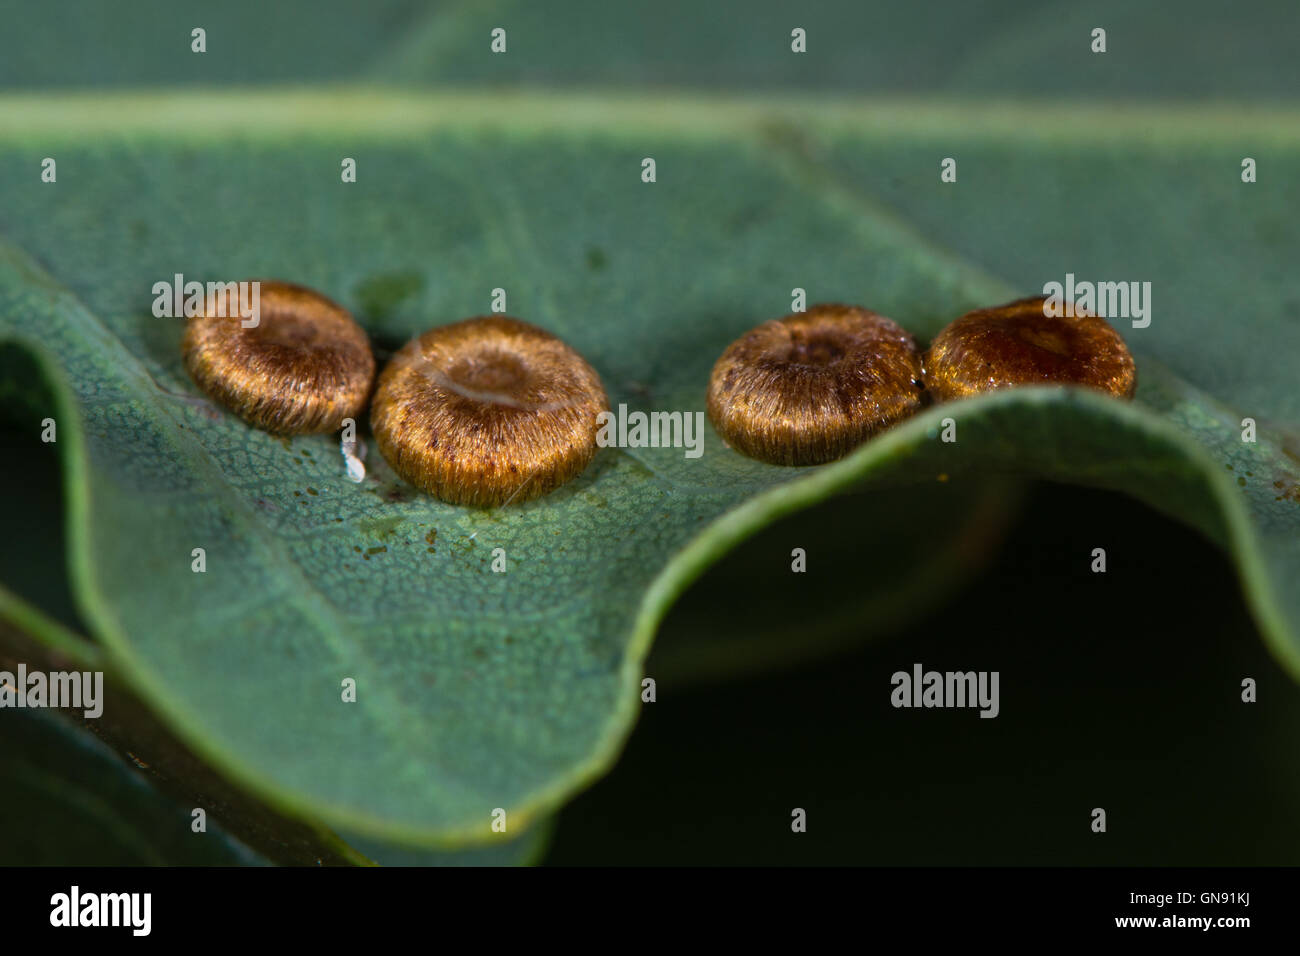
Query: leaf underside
{"type": "Point", "coordinates": [478, 690]}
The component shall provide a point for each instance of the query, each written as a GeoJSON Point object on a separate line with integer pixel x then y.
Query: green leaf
{"type": "Point", "coordinates": [524, 849]}
{"type": "Point", "coordinates": [104, 808]}
{"type": "Point", "coordinates": [946, 47]}
{"type": "Point", "coordinates": [943, 48]}
{"type": "Point", "coordinates": [476, 690]}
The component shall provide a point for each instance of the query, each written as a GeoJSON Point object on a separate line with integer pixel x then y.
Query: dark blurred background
{"type": "Point", "coordinates": [1119, 691]}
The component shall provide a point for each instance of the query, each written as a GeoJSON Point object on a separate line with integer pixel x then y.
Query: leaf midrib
{"type": "Point", "coordinates": [346, 111]}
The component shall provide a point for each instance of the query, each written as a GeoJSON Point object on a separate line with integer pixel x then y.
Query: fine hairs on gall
{"type": "Point", "coordinates": [487, 411]}
{"type": "Point", "coordinates": [810, 387]}
{"type": "Point", "coordinates": [1019, 344]}
{"type": "Point", "coordinates": [305, 366]}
